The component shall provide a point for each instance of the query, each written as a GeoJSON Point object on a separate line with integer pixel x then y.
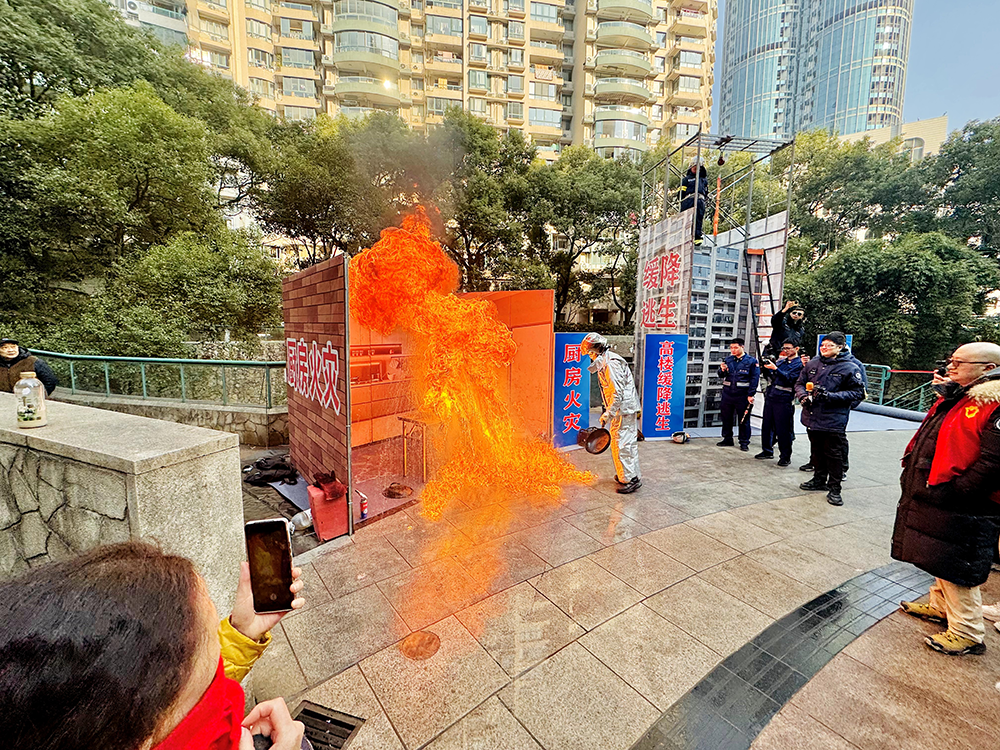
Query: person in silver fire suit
{"type": "Point", "coordinates": [621, 405]}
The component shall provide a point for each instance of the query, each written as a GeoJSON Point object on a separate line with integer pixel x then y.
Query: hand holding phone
{"type": "Point", "coordinates": [269, 585]}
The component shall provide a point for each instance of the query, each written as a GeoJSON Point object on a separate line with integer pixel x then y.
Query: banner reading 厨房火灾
{"type": "Point", "coordinates": [572, 390]}
{"type": "Point", "coordinates": [664, 375]}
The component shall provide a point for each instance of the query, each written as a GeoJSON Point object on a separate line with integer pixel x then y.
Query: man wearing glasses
{"type": "Point", "coordinates": [948, 518]}
{"type": "Point", "coordinates": [828, 386]}
{"type": "Point", "coordinates": [778, 422]}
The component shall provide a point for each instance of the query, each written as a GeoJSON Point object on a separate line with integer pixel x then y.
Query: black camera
{"type": "Point", "coordinates": [942, 367]}
{"type": "Point", "coordinates": [766, 361]}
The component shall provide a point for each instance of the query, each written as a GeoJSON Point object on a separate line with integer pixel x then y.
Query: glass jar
{"type": "Point", "coordinates": [30, 394]}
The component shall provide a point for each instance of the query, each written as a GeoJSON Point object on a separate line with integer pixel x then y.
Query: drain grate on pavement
{"type": "Point", "coordinates": [327, 729]}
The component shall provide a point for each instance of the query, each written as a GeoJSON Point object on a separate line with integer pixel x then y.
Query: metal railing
{"type": "Point", "coordinates": [197, 381]}
{"type": "Point", "coordinates": [878, 381]}
{"type": "Point", "coordinates": [920, 398]}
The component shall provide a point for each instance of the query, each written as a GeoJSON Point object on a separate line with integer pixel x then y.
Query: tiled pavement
{"type": "Point", "coordinates": [579, 623]}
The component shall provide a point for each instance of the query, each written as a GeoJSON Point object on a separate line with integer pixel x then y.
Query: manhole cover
{"type": "Point", "coordinates": [396, 490]}
{"type": "Point", "coordinates": [420, 645]}
{"type": "Point", "coordinates": [327, 729]}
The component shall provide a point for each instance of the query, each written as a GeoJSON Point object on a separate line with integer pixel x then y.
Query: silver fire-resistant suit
{"type": "Point", "coordinates": [621, 404]}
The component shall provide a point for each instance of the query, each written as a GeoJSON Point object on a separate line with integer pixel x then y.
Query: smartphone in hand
{"type": "Point", "coordinates": [269, 551]}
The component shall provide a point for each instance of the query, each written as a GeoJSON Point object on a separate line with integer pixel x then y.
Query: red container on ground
{"type": "Point", "coordinates": [329, 510]}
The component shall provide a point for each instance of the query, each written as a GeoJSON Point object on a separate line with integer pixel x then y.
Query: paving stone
{"type": "Point", "coordinates": [350, 693]}
{"type": "Point", "coordinates": [689, 546]}
{"type": "Point", "coordinates": [720, 621]}
{"type": "Point", "coordinates": [607, 524]}
{"type": "Point", "coordinates": [276, 674]}
{"type": "Point", "coordinates": [500, 564]}
{"type": "Point", "coordinates": [431, 592]}
{"type": "Point", "coordinates": [803, 564]}
{"type": "Point", "coordinates": [586, 592]}
{"type": "Point", "coordinates": [519, 627]}
{"type": "Point", "coordinates": [641, 566]}
{"type": "Point", "coordinates": [357, 565]}
{"type": "Point", "coordinates": [793, 728]}
{"type": "Point", "coordinates": [422, 698]}
{"type": "Point", "coordinates": [733, 531]}
{"type": "Point", "coordinates": [572, 701]}
{"type": "Point", "coordinates": [764, 589]}
{"type": "Point", "coordinates": [655, 657]}
{"type": "Point", "coordinates": [489, 727]}
{"type": "Point", "coordinates": [558, 542]}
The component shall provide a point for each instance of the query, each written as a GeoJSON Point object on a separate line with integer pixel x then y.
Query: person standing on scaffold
{"type": "Point", "coordinates": [694, 190]}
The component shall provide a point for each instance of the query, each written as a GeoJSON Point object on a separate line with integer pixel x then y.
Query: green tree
{"type": "Point", "coordinates": [51, 48]}
{"type": "Point", "coordinates": [585, 202]}
{"type": "Point", "coordinates": [967, 172]}
{"type": "Point", "coordinates": [100, 176]}
{"type": "Point", "coordinates": [908, 302]}
{"type": "Point", "coordinates": [482, 198]}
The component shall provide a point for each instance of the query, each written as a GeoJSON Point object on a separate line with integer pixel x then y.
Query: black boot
{"type": "Point", "coordinates": [784, 461]}
{"type": "Point", "coordinates": [725, 441]}
{"type": "Point", "coordinates": [833, 497]}
{"type": "Point", "coordinates": [764, 454]}
{"type": "Point", "coordinates": [629, 488]}
{"type": "Point", "coordinates": [807, 467]}
{"type": "Point", "coordinates": [813, 485]}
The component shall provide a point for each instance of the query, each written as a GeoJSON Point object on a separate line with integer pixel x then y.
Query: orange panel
{"type": "Point", "coordinates": [531, 378]}
{"type": "Point", "coordinates": [386, 427]}
{"type": "Point", "coordinates": [360, 411]}
{"type": "Point", "coordinates": [361, 433]}
{"type": "Point", "coordinates": [531, 308]}
{"type": "Point", "coordinates": [358, 334]}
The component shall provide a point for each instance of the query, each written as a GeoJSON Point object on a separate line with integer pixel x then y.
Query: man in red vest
{"type": "Point", "coordinates": [948, 518]}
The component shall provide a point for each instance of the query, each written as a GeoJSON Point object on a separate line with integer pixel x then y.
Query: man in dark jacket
{"type": "Point", "coordinates": [778, 421]}
{"type": "Point", "coordinates": [694, 192]}
{"type": "Point", "coordinates": [788, 324]}
{"type": "Point", "coordinates": [827, 387]}
{"type": "Point", "coordinates": [741, 375]}
{"type": "Point", "coordinates": [14, 361]}
{"type": "Point", "coordinates": [948, 517]}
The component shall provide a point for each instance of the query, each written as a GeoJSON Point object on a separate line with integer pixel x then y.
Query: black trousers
{"type": "Point", "coordinates": [699, 214]}
{"type": "Point", "coordinates": [827, 457]}
{"type": "Point", "coordinates": [734, 406]}
{"type": "Point", "coordinates": [778, 425]}
{"type": "Point", "coordinates": [845, 447]}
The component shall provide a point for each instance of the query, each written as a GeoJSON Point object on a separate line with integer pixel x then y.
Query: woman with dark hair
{"type": "Point", "coordinates": [121, 648]}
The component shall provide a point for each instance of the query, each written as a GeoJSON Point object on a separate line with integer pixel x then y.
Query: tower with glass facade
{"type": "Point", "coordinates": [801, 64]}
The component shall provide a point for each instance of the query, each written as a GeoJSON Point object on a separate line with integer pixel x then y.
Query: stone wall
{"type": "Point", "coordinates": [254, 425]}
{"type": "Point", "coordinates": [94, 477]}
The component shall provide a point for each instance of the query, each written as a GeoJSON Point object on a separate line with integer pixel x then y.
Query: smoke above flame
{"type": "Point", "coordinates": [406, 282]}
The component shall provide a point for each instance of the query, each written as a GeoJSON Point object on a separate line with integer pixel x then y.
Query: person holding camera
{"type": "Point", "coordinates": [826, 388]}
{"type": "Point", "coordinates": [778, 420]}
{"type": "Point", "coordinates": [741, 375]}
{"type": "Point", "coordinates": [788, 324]}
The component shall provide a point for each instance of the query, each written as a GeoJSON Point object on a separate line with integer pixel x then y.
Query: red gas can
{"type": "Point", "coordinates": [329, 510]}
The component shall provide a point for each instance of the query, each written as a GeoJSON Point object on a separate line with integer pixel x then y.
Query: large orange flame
{"type": "Point", "coordinates": [405, 281]}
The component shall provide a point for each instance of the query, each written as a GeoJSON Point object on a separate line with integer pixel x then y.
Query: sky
{"type": "Point", "coordinates": [954, 63]}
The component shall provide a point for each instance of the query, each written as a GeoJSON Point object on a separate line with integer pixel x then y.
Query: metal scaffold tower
{"type": "Point", "coordinates": [737, 271]}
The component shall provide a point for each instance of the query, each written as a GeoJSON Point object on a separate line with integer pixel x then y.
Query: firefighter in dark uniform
{"type": "Point", "coordinates": [778, 421]}
{"type": "Point", "coordinates": [741, 375]}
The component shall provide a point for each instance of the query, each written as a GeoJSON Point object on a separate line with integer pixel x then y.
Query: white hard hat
{"type": "Point", "coordinates": [593, 341]}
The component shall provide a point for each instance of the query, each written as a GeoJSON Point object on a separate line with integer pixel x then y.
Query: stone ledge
{"type": "Point", "coordinates": [121, 442]}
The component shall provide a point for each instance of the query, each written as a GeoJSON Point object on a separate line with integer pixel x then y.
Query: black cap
{"type": "Point", "coordinates": [4, 342]}
{"type": "Point", "coordinates": [836, 337]}
{"type": "Point", "coordinates": [737, 340]}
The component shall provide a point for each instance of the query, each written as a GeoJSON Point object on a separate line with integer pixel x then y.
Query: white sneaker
{"type": "Point", "coordinates": [991, 612]}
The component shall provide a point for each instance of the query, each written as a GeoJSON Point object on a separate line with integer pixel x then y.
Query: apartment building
{"type": "Point", "coordinates": [617, 75]}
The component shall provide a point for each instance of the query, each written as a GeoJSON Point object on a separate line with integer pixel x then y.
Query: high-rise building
{"type": "Point", "coordinates": [617, 75]}
{"type": "Point", "coordinates": [804, 64]}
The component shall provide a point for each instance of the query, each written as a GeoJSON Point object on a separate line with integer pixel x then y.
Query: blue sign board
{"type": "Point", "coordinates": [664, 378]}
{"type": "Point", "coordinates": [572, 390]}
{"type": "Point", "coordinates": [819, 338]}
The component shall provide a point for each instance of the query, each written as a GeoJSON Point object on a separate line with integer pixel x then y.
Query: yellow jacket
{"type": "Point", "coordinates": [239, 653]}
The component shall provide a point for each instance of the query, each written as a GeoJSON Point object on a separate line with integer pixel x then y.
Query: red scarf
{"type": "Point", "coordinates": [215, 721]}
{"type": "Point", "coordinates": [957, 446]}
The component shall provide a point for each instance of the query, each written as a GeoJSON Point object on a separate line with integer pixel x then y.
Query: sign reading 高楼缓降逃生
{"type": "Point", "coordinates": [663, 382]}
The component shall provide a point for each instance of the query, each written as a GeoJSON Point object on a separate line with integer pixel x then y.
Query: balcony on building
{"type": "Point", "coordinates": [624, 34]}
{"type": "Point", "coordinates": [689, 23]}
{"type": "Point", "coordinates": [362, 58]}
{"type": "Point", "coordinates": [443, 63]}
{"type": "Point", "coordinates": [515, 8]}
{"type": "Point", "coordinates": [546, 53]}
{"type": "Point", "coordinates": [700, 6]}
{"type": "Point", "coordinates": [215, 10]}
{"type": "Point", "coordinates": [624, 90]}
{"type": "Point", "coordinates": [166, 14]}
{"type": "Point", "coordinates": [547, 30]}
{"type": "Point", "coordinates": [621, 112]}
{"type": "Point", "coordinates": [685, 97]}
{"type": "Point", "coordinates": [610, 142]}
{"type": "Point", "coordinates": [625, 10]}
{"type": "Point", "coordinates": [383, 92]}
{"type": "Point", "coordinates": [290, 9]}
{"type": "Point", "coordinates": [623, 61]}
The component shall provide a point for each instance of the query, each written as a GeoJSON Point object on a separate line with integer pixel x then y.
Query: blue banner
{"type": "Point", "coordinates": [664, 378]}
{"type": "Point", "coordinates": [572, 391]}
